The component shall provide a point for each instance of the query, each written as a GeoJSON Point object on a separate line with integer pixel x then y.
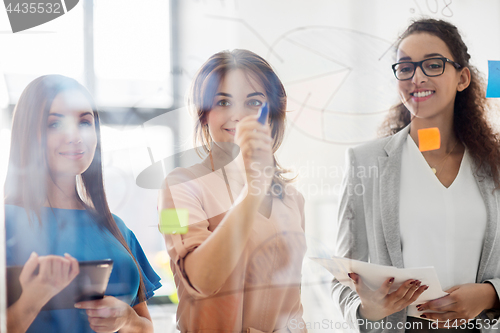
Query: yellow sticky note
{"type": "Point", "coordinates": [174, 221]}
{"type": "Point", "coordinates": [429, 139]}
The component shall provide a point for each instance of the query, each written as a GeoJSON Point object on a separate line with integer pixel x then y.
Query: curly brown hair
{"type": "Point", "coordinates": [470, 120]}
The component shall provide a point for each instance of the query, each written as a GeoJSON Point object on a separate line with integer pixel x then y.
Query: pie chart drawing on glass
{"type": "Point", "coordinates": [339, 81]}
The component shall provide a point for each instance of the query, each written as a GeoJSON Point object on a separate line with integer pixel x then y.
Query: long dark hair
{"type": "Point", "coordinates": [28, 168]}
{"type": "Point", "coordinates": [206, 83]}
{"type": "Point", "coordinates": [470, 120]}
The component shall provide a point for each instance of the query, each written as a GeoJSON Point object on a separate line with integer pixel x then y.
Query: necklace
{"type": "Point", "coordinates": [444, 160]}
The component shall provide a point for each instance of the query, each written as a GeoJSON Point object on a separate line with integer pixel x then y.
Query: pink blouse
{"type": "Point", "coordinates": [262, 294]}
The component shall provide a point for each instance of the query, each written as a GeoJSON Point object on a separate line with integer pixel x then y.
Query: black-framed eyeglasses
{"type": "Point", "coordinates": [405, 70]}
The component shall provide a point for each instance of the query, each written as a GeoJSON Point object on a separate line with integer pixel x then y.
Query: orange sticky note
{"type": "Point", "coordinates": [429, 139]}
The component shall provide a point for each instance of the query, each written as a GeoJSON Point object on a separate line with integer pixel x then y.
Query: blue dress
{"type": "Point", "coordinates": [74, 232]}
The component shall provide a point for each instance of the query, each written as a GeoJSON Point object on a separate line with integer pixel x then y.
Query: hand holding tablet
{"type": "Point", "coordinates": [375, 275]}
{"type": "Point", "coordinates": [106, 315]}
{"type": "Point", "coordinates": [63, 284]}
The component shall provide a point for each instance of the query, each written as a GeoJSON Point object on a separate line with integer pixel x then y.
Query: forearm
{"type": "Point", "coordinates": [222, 250]}
{"type": "Point", "coordinates": [137, 324]}
{"type": "Point", "coordinates": [347, 301]}
{"type": "Point", "coordinates": [22, 313]}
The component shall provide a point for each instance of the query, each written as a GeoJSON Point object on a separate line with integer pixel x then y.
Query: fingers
{"type": "Point", "coordinates": [406, 294]}
{"type": "Point", "coordinates": [55, 267]}
{"type": "Point", "coordinates": [104, 312]}
{"type": "Point", "coordinates": [358, 283]}
{"type": "Point", "coordinates": [255, 142]}
{"type": "Point", "coordinates": [243, 136]}
{"type": "Point", "coordinates": [65, 268]}
{"type": "Point", "coordinates": [417, 293]}
{"type": "Point", "coordinates": [413, 288]}
{"type": "Point", "coordinates": [406, 290]}
{"type": "Point", "coordinates": [45, 266]}
{"type": "Point", "coordinates": [29, 267]}
{"type": "Point", "coordinates": [74, 268]}
{"type": "Point", "coordinates": [58, 271]}
{"type": "Point", "coordinates": [377, 304]}
{"type": "Point", "coordinates": [250, 123]}
{"type": "Point", "coordinates": [385, 287]}
{"type": "Point", "coordinates": [106, 325]}
{"type": "Point", "coordinates": [361, 289]}
{"type": "Point", "coordinates": [106, 315]}
{"type": "Point", "coordinates": [440, 316]}
{"type": "Point", "coordinates": [54, 274]}
{"type": "Point", "coordinates": [249, 128]}
{"type": "Point", "coordinates": [102, 324]}
{"type": "Point", "coordinates": [51, 266]}
{"type": "Point", "coordinates": [250, 135]}
{"type": "Point", "coordinates": [374, 305]}
{"type": "Point", "coordinates": [409, 286]}
{"type": "Point", "coordinates": [445, 303]}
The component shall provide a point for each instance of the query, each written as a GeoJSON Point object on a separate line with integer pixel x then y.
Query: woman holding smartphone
{"type": "Point", "coordinates": [57, 213]}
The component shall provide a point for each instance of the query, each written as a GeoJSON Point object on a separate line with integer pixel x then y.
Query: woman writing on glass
{"type": "Point", "coordinates": [238, 266]}
{"type": "Point", "coordinates": [56, 213]}
{"type": "Point", "coordinates": [432, 208]}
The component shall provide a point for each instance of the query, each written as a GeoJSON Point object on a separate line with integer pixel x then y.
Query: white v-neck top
{"type": "Point", "coordinates": [440, 227]}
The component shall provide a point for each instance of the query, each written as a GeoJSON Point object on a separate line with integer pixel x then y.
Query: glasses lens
{"type": "Point", "coordinates": [404, 70]}
{"type": "Point", "coordinates": [433, 67]}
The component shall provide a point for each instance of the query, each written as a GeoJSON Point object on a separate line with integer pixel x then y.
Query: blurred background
{"type": "Point", "coordinates": [137, 58]}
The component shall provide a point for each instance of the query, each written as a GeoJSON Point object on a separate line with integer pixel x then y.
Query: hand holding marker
{"type": "Point", "coordinates": [174, 221]}
{"type": "Point", "coordinates": [263, 112]}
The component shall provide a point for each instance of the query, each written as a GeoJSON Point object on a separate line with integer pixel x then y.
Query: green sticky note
{"type": "Point", "coordinates": [174, 221]}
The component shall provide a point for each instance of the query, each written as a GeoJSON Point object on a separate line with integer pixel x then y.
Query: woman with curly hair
{"type": "Point", "coordinates": [427, 208]}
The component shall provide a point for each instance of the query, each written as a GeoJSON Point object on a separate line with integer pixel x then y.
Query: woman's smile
{"type": "Point", "coordinates": [421, 95]}
{"type": "Point", "coordinates": [73, 155]}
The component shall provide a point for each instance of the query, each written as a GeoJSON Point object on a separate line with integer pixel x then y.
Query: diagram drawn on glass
{"type": "Point", "coordinates": [339, 81]}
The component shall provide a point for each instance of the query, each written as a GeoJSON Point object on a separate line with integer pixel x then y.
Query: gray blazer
{"type": "Point", "coordinates": [369, 222]}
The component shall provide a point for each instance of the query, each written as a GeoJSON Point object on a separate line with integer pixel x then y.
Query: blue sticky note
{"type": "Point", "coordinates": [493, 89]}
